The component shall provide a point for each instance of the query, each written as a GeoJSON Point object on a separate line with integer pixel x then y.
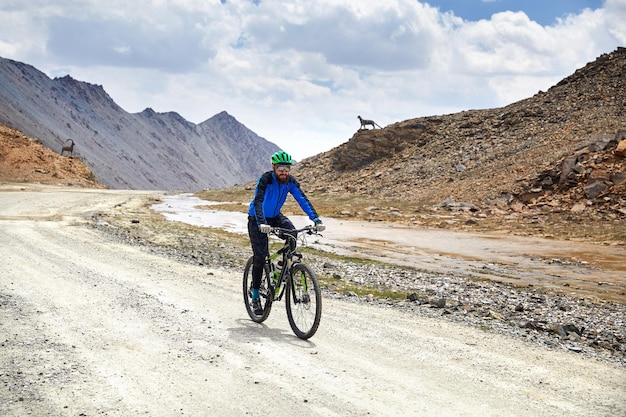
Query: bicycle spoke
{"type": "Point", "coordinates": [304, 302]}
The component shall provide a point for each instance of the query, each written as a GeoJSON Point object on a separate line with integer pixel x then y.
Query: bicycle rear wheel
{"type": "Point", "coordinates": [264, 291]}
{"type": "Point", "coordinates": [304, 301]}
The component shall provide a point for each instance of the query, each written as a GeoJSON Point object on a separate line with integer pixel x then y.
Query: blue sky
{"type": "Point", "coordinates": [299, 72]}
{"type": "Point", "coordinates": [544, 12]}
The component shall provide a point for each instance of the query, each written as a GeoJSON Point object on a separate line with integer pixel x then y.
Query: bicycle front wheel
{"type": "Point", "coordinates": [264, 291]}
{"type": "Point", "coordinates": [304, 301]}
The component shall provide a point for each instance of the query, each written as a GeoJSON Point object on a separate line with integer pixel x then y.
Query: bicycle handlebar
{"type": "Point", "coordinates": [310, 230]}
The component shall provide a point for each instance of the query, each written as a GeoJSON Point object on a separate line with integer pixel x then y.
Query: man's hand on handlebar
{"type": "Point", "coordinates": [319, 226]}
{"type": "Point", "coordinates": [265, 228]}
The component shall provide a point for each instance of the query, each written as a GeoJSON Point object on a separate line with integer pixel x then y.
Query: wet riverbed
{"type": "Point", "coordinates": [570, 267]}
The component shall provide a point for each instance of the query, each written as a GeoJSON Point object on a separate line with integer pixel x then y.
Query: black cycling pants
{"type": "Point", "coordinates": [259, 242]}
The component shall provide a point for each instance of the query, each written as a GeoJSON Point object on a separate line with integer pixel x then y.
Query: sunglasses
{"type": "Point", "coordinates": [283, 168]}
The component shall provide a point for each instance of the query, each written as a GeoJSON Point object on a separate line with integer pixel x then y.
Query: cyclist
{"type": "Point", "coordinates": [264, 213]}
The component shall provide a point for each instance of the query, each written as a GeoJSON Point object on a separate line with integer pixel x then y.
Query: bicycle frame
{"type": "Point", "coordinates": [287, 258]}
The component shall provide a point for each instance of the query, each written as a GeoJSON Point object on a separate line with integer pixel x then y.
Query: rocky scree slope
{"type": "Point", "coordinates": [561, 151]}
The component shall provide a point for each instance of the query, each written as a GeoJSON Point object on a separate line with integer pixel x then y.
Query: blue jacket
{"type": "Point", "coordinates": [270, 195]}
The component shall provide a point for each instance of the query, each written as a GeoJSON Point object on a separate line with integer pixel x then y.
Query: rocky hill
{"type": "Point", "coordinates": [24, 160]}
{"type": "Point", "coordinates": [146, 150]}
{"type": "Point", "coordinates": [560, 151]}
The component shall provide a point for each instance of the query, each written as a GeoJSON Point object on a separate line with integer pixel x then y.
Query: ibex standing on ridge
{"type": "Point", "coordinates": [69, 149]}
{"type": "Point", "coordinates": [365, 122]}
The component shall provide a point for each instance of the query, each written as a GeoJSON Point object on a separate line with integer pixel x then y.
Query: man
{"type": "Point", "coordinates": [264, 213]}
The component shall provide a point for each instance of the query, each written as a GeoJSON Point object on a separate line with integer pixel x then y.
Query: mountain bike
{"type": "Point", "coordinates": [288, 277]}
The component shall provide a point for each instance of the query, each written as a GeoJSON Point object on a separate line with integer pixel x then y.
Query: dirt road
{"type": "Point", "coordinates": [91, 327]}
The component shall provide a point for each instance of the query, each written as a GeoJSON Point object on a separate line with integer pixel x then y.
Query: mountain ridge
{"type": "Point", "coordinates": [557, 157]}
{"type": "Point", "coordinates": [145, 150]}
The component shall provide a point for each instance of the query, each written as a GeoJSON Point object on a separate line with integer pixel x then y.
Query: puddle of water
{"type": "Point", "coordinates": [184, 208]}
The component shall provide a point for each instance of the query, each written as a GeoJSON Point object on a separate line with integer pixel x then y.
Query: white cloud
{"type": "Point", "coordinates": [299, 72]}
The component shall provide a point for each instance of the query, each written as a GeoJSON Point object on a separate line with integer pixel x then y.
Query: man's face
{"type": "Point", "coordinates": [282, 172]}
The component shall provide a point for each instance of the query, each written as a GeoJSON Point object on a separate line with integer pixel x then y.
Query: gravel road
{"type": "Point", "coordinates": [91, 327]}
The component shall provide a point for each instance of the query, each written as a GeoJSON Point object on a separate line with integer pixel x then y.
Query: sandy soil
{"type": "Point", "coordinates": [89, 327]}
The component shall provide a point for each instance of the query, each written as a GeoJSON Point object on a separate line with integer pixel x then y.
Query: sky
{"type": "Point", "coordinates": [299, 72]}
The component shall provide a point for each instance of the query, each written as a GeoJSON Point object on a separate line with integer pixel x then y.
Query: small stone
{"type": "Point", "coordinates": [495, 315]}
{"type": "Point", "coordinates": [620, 150]}
{"type": "Point", "coordinates": [440, 303]}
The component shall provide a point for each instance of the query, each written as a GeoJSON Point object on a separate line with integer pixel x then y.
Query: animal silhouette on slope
{"type": "Point", "coordinates": [365, 122]}
{"type": "Point", "coordinates": [69, 148]}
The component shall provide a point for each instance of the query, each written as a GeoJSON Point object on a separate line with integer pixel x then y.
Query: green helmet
{"type": "Point", "coordinates": [282, 158]}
